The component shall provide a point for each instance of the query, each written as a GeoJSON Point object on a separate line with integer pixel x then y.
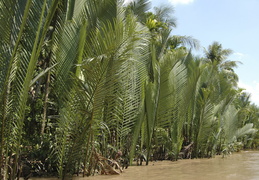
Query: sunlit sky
{"type": "Point", "coordinates": [233, 23]}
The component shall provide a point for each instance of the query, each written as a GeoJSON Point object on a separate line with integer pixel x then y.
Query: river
{"type": "Point", "coordinates": [238, 166]}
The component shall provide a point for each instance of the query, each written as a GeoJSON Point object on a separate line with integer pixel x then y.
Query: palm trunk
{"type": "Point", "coordinates": [44, 120]}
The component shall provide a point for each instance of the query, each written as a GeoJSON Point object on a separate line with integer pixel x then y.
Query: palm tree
{"type": "Point", "coordinates": [217, 56]}
{"type": "Point", "coordinates": [116, 78]}
{"type": "Point", "coordinates": [25, 25]}
{"type": "Point", "coordinates": [100, 105]}
{"type": "Point", "coordinates": [160, 25]}
{"type": "Point", "coordinates": [172, 102]}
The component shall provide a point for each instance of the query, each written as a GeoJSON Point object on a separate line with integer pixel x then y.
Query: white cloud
{"type": "Point", "coordinates": [127, 1]}
{"type": "Point", "coordinates": [174, 2]}
{"type": "Point", "coordinates": [237, 56]}
{"type": "Point", "coordinates": [252, 89]}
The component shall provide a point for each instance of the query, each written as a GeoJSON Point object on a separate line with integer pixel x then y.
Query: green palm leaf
{"type": "Point", "coordinates": [24, 49]}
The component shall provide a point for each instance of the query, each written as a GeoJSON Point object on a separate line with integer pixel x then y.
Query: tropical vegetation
{"type": "Point", "coordinates": [83, 79]}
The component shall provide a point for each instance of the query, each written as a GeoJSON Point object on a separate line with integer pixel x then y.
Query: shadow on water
{"type": "Point", "coordinates": [239, 166]}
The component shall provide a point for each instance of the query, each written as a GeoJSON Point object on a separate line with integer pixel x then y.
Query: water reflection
{"type": "Point", "coordinates": [239, 166]}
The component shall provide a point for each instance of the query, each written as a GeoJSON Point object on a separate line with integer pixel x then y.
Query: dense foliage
{"type": "Point", "coordinates": [82, 77]}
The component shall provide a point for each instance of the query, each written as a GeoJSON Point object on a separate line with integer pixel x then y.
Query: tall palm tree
{"type": "Point", "coordinates": [217, 56]}
{"type": "Point", "coordinates": [160, 25]}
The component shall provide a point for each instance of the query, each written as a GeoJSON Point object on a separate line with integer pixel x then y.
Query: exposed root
{"type": "Point", "coordinates": [107, 166]}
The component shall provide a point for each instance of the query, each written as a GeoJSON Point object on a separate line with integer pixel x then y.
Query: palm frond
{"type": "Point", "coordinates": [164, 14]}
{"type": "Point", "coordinates": [24, 49]}
{"type": "Point", "coordinates": [171, 102]}
{"type": "Point", "coordinates": [186, 41]}
{"type": "Point", "coordinates": [245, 130]}
{"type": "Point", "coordinates": [139, 8]}
{"type": "Point", "coordinates": [112, 89]}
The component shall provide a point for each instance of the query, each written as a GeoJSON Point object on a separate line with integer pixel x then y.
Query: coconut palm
{"type": "Point", "coordinates": [217, 56]}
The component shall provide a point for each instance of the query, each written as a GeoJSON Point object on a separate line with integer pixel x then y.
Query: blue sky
{"type": "Point", "coordinates": [233, 23]}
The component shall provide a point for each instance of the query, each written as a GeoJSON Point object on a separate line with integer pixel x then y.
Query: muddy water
{"type": "Point", "coordinates": [239, 166]}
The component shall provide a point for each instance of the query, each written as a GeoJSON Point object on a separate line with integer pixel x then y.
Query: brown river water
{"type": "Point", "coordinates": [238, 166]}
